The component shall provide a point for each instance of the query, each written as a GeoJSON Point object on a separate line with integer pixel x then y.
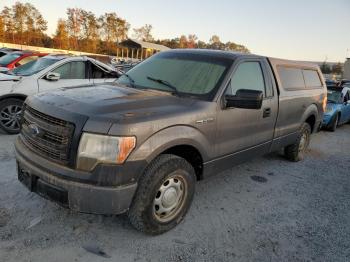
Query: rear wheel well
{"type": "Point", "coordinates": [191, 155]}
{"type": "Point", "coordinates": [311, 120]}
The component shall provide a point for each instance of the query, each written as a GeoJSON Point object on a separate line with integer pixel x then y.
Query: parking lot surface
{"type": "Point", "coordinates": [267, 209]}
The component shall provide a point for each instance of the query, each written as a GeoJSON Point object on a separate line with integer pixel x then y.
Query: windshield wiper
{"type": "Point", "coordinates": [131, 80]}
{"type": "Point", "coordinates": [164, 82]}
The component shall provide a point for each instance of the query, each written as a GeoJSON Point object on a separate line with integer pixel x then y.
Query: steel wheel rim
{"type": "Point", "coordinates": [10, 116]}
{"type": "Point", "coordinates": [170, 198]}
{"type": "Point", "coordinates": [303, 142]}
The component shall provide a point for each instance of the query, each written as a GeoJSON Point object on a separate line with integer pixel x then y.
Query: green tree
{"type": "Point", "coordinates": [337, 69]}
{"type": "Point", "coordinates": [183, 42]}
{"type": "Point", "coordinates": [215, 43]}
{"type": "Point", "coordinates": [113, 29]}
{"type": "Point", "coordinates": [202, 44]}
{"type": "Point", "coordinates": [192, 41]}
{"type": "Point", "coordinates": [231, 46]}
{"type": "Point", "coordinates": [325, 68]}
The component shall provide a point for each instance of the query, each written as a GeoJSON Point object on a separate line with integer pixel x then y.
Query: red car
{"type": "Point", "coordinates": [18, 58]}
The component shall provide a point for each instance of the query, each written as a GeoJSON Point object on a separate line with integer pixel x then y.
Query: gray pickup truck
{"type": "Point", "coordinates": [139, 145]}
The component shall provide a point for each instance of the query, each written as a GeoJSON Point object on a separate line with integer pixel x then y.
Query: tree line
{"type": "Point", "coordinates": [336, 69]}
{"type": "Point", "coordinates": [82, 30]}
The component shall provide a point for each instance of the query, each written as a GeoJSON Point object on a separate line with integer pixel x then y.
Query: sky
{"type": "Point", "coordinates": [313, 30]}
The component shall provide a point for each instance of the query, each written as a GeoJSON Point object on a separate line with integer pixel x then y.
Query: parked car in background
{"type": "Point", "coordinates": [347, 84]}
{"type": "Point", "coordinates": [46, 74]}
{"type": "Point", "coordinates": [140, 144]}
{"type": "Point", "coordinates": [123, 65]}
{"type": "Point", "coordinates": [330, 82]}
{"type": "Point", "coordinates": [5, 51]}
{"type": "Point", "coordinates": [343, 82]}
{"type": "Point", "coordinates": [18, 58]}
{"type": "Point", "coordinates": [338, 107]}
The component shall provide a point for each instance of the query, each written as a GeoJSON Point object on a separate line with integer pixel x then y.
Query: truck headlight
{"type": "Point", "coordinates": [95, 149]}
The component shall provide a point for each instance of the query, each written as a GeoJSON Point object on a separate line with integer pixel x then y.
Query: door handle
{"type": "Point", "coordinates": [267, 112]}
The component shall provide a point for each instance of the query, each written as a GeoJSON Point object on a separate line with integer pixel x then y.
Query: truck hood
{"type": "Point", "coordinates": [113, 102]}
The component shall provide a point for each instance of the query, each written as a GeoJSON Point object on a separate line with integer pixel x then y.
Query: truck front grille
{"type": "Point", "coordinates": [48, 136]}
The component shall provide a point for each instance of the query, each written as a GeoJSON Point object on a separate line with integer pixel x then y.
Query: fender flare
{"type": "Point", "coordinates": [14, 95]}
{"type": "Point", "coordinates": [311, 110]}
{"type": "Point", "coordinates": [169, 137]}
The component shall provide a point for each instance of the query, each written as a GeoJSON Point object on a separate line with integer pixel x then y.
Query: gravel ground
{"type": "Point", "coordinates": [295, 212]}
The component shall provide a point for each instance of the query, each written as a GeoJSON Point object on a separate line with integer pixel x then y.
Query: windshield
{"type": "Point", "coordinates": [7, 59]}
{"type": "Point", "coordinates": [33, 66]}
{"type": "Point", "coordinates": [186, 74]}
{"type": "Point", "coordinates": [333, 96]}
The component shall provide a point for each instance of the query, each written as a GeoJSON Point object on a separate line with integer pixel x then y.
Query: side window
{"type": "Point", "coordinates": [291, 78]}
{"type": "Point", "coordinates": [77, 70]}
{"type": "Point", "coordinates": [64, 71]}
{"type": "Point", "coordinates": [97, 72]}
{"type": "Point", "coordinates": [71, 70]}
{"type": "Point", "coordinates": [312, 79]}
{"type": "Point", "coordinates": [248, 75]}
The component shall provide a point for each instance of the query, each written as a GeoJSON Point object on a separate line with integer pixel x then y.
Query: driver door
{"type": "Point", "coordinates": [73, 73]}
{"type": "Point", "coordinates": [247, 131]}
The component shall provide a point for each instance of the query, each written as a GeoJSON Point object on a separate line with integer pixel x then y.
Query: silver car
{"type": "Point", "coordinates": [46, 74]}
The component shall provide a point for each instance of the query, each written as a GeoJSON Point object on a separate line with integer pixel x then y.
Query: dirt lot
{"type": "Point", "coordinates": [298, 212]}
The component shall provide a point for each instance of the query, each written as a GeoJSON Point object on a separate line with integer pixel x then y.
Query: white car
{"type": "Point", "coordinates": [46, 74]}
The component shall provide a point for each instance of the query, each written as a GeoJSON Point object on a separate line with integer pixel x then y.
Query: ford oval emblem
{"type": "Point", "coordinates": [34, 129]}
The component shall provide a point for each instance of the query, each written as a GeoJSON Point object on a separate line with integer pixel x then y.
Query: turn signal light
{"type": "Point", "coordinates": [324, 104]}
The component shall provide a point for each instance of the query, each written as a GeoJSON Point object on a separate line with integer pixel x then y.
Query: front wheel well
{"type": "Point", "coordinates": [191, 155]}
{"type": "Point", "coordinates": [13, 96]}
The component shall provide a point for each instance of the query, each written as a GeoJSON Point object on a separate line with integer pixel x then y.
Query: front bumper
{"type": "Point", "coordinates": [78, 196]}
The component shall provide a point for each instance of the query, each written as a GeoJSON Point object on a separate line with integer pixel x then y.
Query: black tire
{"type": "Point", "coordinates": [296, 152]}
{"type": "Point", "coordinates": [142, 213]}
{"type": "Point", "coordinates": [10, 112]}
{"type": "Point", "coordinates": [334, 124]}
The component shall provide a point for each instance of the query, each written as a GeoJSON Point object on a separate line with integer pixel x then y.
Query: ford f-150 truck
{"type": "Point", "coordinates": [139, 145]}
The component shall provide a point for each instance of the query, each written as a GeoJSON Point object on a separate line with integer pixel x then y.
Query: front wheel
{"type": "Point", "coordinates": [10, 114]}
{"type": "Point", "coordinates": [334, 124]}
{"type": "Point", "coordinates": [164, 195]}
{"type": "Point", "coordinates": [296, 152]}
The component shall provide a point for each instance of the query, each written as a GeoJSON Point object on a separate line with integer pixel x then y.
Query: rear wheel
{"type": "Point", "coordinates": [10, 114]}
{"type": "Point", "coordinates": [296, 152]}
{"type": "Point", "coordinates": [334, 124]}
{"type": "Point", "coordinates": [164, 195]}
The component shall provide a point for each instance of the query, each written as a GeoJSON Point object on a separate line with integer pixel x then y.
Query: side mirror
{"type": "Point", "coordinates": [245, 98]}
{"type": "Point", "coordinates": [53, 76]}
